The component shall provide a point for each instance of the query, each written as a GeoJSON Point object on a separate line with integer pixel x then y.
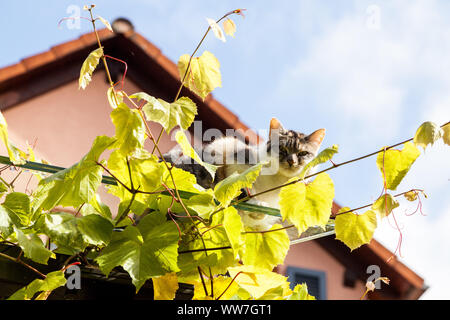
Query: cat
{"type": "Point", "coordinates": [284, 155]}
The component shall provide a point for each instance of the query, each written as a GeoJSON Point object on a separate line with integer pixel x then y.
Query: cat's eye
{"type": "Point", "coordinates": [302, 153]}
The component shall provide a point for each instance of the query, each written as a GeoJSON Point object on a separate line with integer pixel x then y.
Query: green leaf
{"type": "Point", "coordinates": [53, 280]}
{"type": "Point", "coordinates": [183, 141]}
{"type": "Point", "coordinates": [130, 129]}
{"type": "Point", "coordinates": [446, 134]}
{"type": "Point", "coordinates": [15, 155]}
{"type": "Point", "coordinates": [229, 188]}
{"type": "Point", "coordinates": [307, 205]}
{"type": "Point", "coordinates": [8, 219]}
{"type": "Point", "coordinates": [324, 156]}
{"type": "Point", "coordinates": [145, 251]}
{"type": "Point", "coordinates": [384, 205]}
{"type": "Point", "coordinates": [33, 247]}
{"type": "Point", "coordinates": [147, 173]}
{"type": "Point", "coordinates": [62, 228]}
{"type": "Point", "coordinates": [95, 229]}
{"type": "Point", "coordinates": [266, 249]}
{"type": "Point", "coordinates": [169, 115]}
{"type": "Point", "coordinates": [88, 67]}
{"type": "Point", "coordinates": [19, 203]}
{"type": "Point", "coordinates": [202, 204]}
{"type": "Point", "coordinates": [428, 133]}
{"type": "Point", "coordinates": [355, 229]}
{"type": "Point", "coordinates": [234, 227]}
{"type": "Point", "coordinates": [396, 164]}
{"type": "Point", "coordinates": [75, 185]}
{"type": "Point", "coordinates": [204, 73]}
{"type": "Point", "coordinates": [3, 188]}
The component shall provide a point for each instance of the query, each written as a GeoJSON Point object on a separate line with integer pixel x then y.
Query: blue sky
{"type": "Point", "coordinates": [370, 72]}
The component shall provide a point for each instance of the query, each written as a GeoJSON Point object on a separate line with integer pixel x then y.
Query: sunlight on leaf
{"type": "Point", "coordinates": [428, 133]}
{"type": "Point", "coordinates": [88, 67]}
{"type": "Point", "coordinates": [396, 164]}
{"type": "Point", "coordinates": [355, 229]}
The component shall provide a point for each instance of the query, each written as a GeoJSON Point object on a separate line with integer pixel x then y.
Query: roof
{"type": "Point", "coordinates": [62, 63]}
{"type": "Point", "coordinates": [147, 66]}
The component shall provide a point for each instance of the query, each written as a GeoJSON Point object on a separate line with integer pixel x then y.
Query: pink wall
{"type": "Point", "coordinates": [63, 123]}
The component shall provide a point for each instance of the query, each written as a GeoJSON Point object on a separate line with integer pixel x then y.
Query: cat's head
{"type": "Point", "coordinates": [292, 149]}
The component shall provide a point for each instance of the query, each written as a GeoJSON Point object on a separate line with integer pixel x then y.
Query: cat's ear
{"type": "Point", "coordinates": [317, 137]}
{"type": "Point", "coordinates": [275, 126]}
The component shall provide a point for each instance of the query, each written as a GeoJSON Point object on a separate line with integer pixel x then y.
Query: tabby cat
{"type": "Point", "coordinates": [284, 155]}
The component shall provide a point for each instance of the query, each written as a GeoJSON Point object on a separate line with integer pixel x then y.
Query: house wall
{"type": "Point", "coordinates": [309, 255]}
{"type": "Point", "coordinates": [63, 123]}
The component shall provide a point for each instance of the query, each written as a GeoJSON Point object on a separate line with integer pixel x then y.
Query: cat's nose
{"type": "Point", "coordinates": [290, 161]}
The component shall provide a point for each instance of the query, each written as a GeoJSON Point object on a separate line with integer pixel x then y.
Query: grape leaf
{"type": "Point", "coordinates": [446, 134]}
{"type": "Point", "coordinates": [62, 229]}
{"type": "Point", "coordinates": [95, 229]}
{"type": "Point", "coordinates": [52, 281]}
{"type": "Point", "coordinates": [19, 203]}
{"type": "Point", "coordinates": [33, 247]}
{"type": "Point", "coordinates": [229, 188]}
{"type": "Point", "coordinates": [204, 73]}
{"type": "Point", "coordinates": [88, 67]}
{"type": "Point", "coordinates": [300, 292]}
{"type": "Point", "coordinates": [15, 155]}
{"type": "Point", "coordinates": [165, 287]}
{"type": "Point", "coordinates": [256, 281]}
{"type": "Point", "coordinates": [75, 185]}
{"type": "Point", "coordinates": [223, 288]}
{"type": "Point", "coordinates": [307, 205]}
{"type": "Point", "coordinates": [396, 164]}
{"type": "Point", "coordinates": [229, 27]}
{"type": "Point", "coordinates": [146, 251]}
{"type": "Point", "coordinates": [233, 226]}
{"type": "Point", "coordinates": [169, 115]}
{"type": "Point", "coordinates": [266, 250]}
{"type": "Point", "coordinates": [130, 129]}
{"type": "Point", "coordinates": [147, 173]}
{"type": "Point", "coordinates": [216, 29]}
{"type": "Point", "coordinates": [183, 141]}
{"type": "Point", "coordinates": [384, 205]}
{"type": "Point", "coordinates": [355, 229]}
{"type": "Point", "coordinates": [428, 133]}
{"type": "Point", "coordinates": [8, 219]}
{"type": "Point", "coordinates": [324, 156]}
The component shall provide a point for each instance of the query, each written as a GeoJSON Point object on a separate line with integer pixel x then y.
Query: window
{"type": "Point", "coordinates": [315, 280]}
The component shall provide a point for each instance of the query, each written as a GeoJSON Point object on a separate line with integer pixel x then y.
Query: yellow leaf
{"type": "Point", "coordinates": [256, 281]}
{"type": "Point", "coordinates": [355, 229]}
{"type": "Point", "coordinates": [88, 67]}
{"type": "Point", "coordinates": [229, 27]}
{"type": "Point", "coordinates": [165, 287]}
{"type": "Point", "coordinates": [384, 205]}
{"type": "Point", "coordinates": [446, 134]}
{"type": "Point", "coordinates": [395, 164]}
{"type": "Point", "coordinates": [203, 75]}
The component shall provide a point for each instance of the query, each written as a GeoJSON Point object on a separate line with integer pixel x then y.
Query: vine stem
{"type": "Point", "coordinates": [24, 264]}
{"type": "Point", "coordinates": [189, 65]}
{"type": "Point", "coordinates": [337, 214]}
